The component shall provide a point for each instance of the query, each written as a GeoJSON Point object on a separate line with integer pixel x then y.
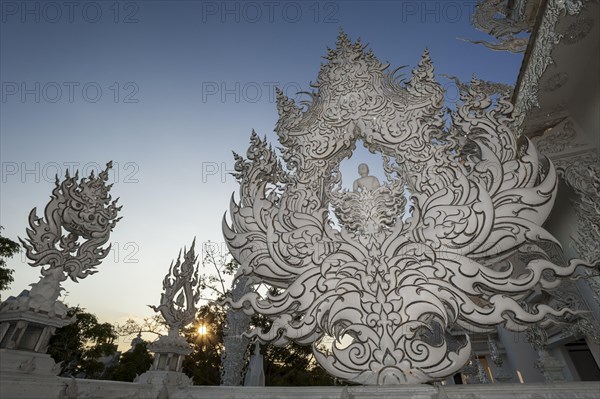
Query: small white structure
{"type": "Point", "coordinates": [178, 308]}
{"type": "Point", "coordinates": [77, 210]}
{"type": "Point", "coordinates": [84, 210]}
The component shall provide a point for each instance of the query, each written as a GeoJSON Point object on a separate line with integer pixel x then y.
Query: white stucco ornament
{"type": "Point", "coordinates": [68, 241]}
{"type": "Point", "coordinates": [386, 285]}
{"type": "Point", "coordinates": [178, 302]}
{"type": "Point", "coordinates": [178, 307]}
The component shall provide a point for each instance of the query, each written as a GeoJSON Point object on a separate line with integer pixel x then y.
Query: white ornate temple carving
{"type": "Point", "coordinates": [402, 294]}
{"type": "Point", "coordinates": [468, 263]}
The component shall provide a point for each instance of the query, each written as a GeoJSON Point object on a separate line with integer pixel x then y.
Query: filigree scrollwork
{"type": "Point", "coordinates": [582, 174]}
{"type": "Point", "coordinates": [505, 28]}
{"type": "Point", "coordinates": [485, 18]}
{"type": "Point", "coordinates": [389, 300]}
{"type": "Point", "coordinates": [488, 87]}
{"type": "Point", "coordinates": [84, 210]}
{"type": "Point", "coordinates": [68, 240]}
{"type": "Point", "coordinates": [178, 306]}
{"type": "Point", "coordinates": [526, 95]}
{"type": "Point", "coordinates": [509, 43]}
{"type": "Point", "coordinates": [181, 291]}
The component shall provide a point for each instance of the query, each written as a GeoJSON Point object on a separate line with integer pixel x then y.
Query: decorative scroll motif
{"type": "Point", "coordinates": [578, 31]}
{"type": "Point", "coordinates": [557, 140]}
{"type": "Point", "coordinates": [181, 291]}
{"type": "Point", "coordinates": [485, 18]}
{"type": "Point", "coordinates": [578, 326]}
{"type": "Point", "coordinates": [487, 87]}
{"type": "Point", "coordinates": [68, 240]}
{"type": "Point", "coordinates": [582, 174]}
{"type": "Point", "coordinates": [389, 295]}
{"type": "Point", "coordinates": [567, 295]}
{"type": "Point", "coordinates": [510, 43]}
{"type": "Point", "coordinates": [178, 307]}
{"type": "Point", "coordinates": [526, 96]}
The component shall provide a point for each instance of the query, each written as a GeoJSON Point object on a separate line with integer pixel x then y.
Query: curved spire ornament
{"type": "Point", "coordinates": [390, 293]}
{"type": "Point", "coordinates": [178, 306]}
{"type": "Point", "coordinates": [181, 285]}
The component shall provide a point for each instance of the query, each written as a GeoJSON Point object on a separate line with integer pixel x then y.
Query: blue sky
{"type": "Point", "coordinates": [167, 89]}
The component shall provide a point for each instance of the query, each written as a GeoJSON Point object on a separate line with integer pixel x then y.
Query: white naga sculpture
{"type": "Point", "coordinates": [389, 286]}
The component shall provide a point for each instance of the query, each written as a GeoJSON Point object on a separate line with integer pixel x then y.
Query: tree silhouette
{"type": "Point", "coordinates": [8, 248]}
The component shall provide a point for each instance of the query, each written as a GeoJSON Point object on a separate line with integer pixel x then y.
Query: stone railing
{"type": "Point", "coordinates": [25, 385]}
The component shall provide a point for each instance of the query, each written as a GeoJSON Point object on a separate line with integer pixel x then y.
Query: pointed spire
{"type": "Point", "coordinates": [424, 71]}
{"type": "Point", "coordinates": [342, 41]}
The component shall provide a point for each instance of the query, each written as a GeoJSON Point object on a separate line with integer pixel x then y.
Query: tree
{"type": "Point", "coordinates": [132, 363]}
{"type": "Point", "coordinates": [293, 364]}
{"type": "Point", "coordinates": [82, 345]}
{"type": "Point", "coordinates": [203, 365]}
{"type": "Point", "coordinates": [205, 335]}
{"type": "Point", "coordinates": [289, 365]}
{"type": "Point", "coordinates": [154, 325]}
{"type": "Point", "coordinates": [8, 249]}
